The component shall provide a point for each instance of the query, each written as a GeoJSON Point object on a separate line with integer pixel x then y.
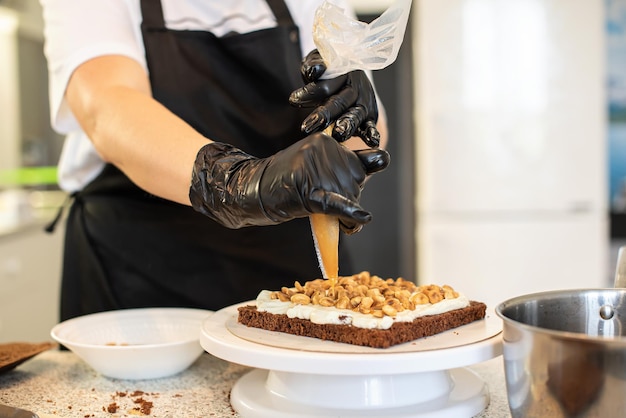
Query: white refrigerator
{"type": "Point", "coordinates": [511, 145]}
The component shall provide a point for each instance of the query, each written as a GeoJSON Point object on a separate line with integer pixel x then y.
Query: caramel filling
{"type": "Point", "coordinates": [325, 230]}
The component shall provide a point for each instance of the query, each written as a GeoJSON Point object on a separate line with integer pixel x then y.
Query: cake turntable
{"type": "Point", "coordinates": [306, 377]}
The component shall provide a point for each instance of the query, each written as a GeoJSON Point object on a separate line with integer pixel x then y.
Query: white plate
{"type": "Point", "coordinates": [477, 343]}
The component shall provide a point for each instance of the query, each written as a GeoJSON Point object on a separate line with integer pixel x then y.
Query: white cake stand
{"type": "Point", "coordinates": [306, 377]}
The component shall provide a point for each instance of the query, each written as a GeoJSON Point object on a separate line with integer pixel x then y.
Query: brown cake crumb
{"type": "Point", "coordinates": [137, 397]}
{"type": "Point", "coordinates": [145, 407]}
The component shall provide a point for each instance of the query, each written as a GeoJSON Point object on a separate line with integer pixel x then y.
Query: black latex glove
{"type": "Point", "coordinates": [314, 175]}
{"type": "Point", "coordinates": [348, 100]}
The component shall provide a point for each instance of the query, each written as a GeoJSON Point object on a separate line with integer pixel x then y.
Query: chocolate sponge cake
{"type": "Point", "coordinates": [362, 310]}
{"type": "Point", "coordinates": [400, 332]}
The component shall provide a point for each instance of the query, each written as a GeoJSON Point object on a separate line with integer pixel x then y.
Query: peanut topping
{"type": "Point", "coordinates": [366, 293]}
{"type": "Point", "coordinates": [301, 299]}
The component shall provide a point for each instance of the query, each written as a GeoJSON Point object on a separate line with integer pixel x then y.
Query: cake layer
{"type": "Point", "coordinates": [400, 332]}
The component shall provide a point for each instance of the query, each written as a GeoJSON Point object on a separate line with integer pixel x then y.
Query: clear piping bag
{"type": "Point", "coordinates": [345, 45]}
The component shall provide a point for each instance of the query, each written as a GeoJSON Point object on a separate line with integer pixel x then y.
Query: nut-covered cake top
{"type": "Point", "coordinates": [366, 293]}
{"type": "Point", "coordinates": [361, 298]}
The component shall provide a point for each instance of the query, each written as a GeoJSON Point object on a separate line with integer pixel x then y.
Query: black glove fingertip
{"type": "Point", "coordinates": [342, 130]}
{"type": "Point", "coordinates": [374, 160]}
{"type": "Point", "coordinates": [295, 98]}
{"type": "Point", "coordinates": [313, 94]}
{"type": "Point", "coordinates": [313, 66]}
{"type": "Point", "coordinates": [314, 73]}
{"type": "Point", "coordinates": [314, 122]}
{"type": "Point", "coordinates": [349, 228]}
{"type": "Point", "coordinates": [362, 216]}
{"type": "Point", "coordinates": [372, 141]}
{"type": "Point", "coordinates": [354, 223]}
{"type": "Point", "coordinates": [370, 135]}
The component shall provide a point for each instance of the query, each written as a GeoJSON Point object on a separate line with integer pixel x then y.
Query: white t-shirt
{"type": "Point", "coordinates": [79, 30]}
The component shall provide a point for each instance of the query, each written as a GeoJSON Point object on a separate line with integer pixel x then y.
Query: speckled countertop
{"type": "Point", "coordinates": [59, 384]}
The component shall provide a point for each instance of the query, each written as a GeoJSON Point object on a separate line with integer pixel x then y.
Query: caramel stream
{"type": "Point", "coordinates": [325, 230]}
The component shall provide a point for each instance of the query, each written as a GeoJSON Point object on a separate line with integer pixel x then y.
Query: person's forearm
{"type": "Point", "coordinates": [152, 146]}
{"type": "Point", "coordinates": [110, 97]}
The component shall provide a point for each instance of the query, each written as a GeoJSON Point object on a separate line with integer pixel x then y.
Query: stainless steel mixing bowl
{"type": "Point", "coordinates": [565, 353]}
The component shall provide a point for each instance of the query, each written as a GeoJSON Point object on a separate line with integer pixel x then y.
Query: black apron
{"type": "Point", "coordinates": [125, 248]}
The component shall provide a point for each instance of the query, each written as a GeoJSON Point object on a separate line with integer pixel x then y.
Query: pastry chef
{"type": "Point", "coordinates": [194, 151]}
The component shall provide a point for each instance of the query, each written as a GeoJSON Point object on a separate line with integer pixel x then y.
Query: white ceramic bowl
{"type": "Point", "coordinates": [145, 343]}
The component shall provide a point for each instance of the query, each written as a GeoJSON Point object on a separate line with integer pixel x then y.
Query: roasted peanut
{"type": "Point", "coordinates": [365, 310]}
{"type": "Point", "coordinates": [434, 296]}
{"type": "Point", "coordinates": [419, 299]}
{"type": "Point", "coordinates": [366, 302]}
{"type": "Point", "coordinates": [389, 310]}
{"type": "Point", "coordinates": [343, 303]}
{"type": "Point", "coordinates": [282, 297]}
{"type": "Point", "coordinates": [375, 295]}
{"type": "Point", "coordinates": [300, 299]}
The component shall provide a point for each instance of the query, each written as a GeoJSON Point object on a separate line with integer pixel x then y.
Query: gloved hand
{"type": "Point", "coordinates": [348, 100]}
{"type": "Point", "coordinates": [314, 175]}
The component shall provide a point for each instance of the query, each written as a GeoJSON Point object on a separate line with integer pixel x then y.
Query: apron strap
{"type": "Point", "coordinates": [152, 13]}
{"type": "Point", "coordinates": [281, 13]}
{"type": "Point", "coordinates": [53, 223]}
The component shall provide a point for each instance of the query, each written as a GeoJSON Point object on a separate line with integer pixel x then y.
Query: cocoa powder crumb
{"type": "Point", "coordinates": [137, 397]}
{"type": "Point", "coordinates": [145, 407]}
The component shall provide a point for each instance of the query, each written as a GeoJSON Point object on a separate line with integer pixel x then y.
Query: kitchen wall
{"type": "Point", "coordinates": [511, 145]}
{"type": "Point", "coordinates": [30, 271]}
{"type": "Point", "coordinates": [9, 88]}
{"type": "Point", "coordinates": [30, 258]}
{"type": "Point", "coordinates": [27, 137]}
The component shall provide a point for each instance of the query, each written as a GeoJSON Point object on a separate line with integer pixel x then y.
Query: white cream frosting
{"type": "Point", "coordinates": [332, 315]}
